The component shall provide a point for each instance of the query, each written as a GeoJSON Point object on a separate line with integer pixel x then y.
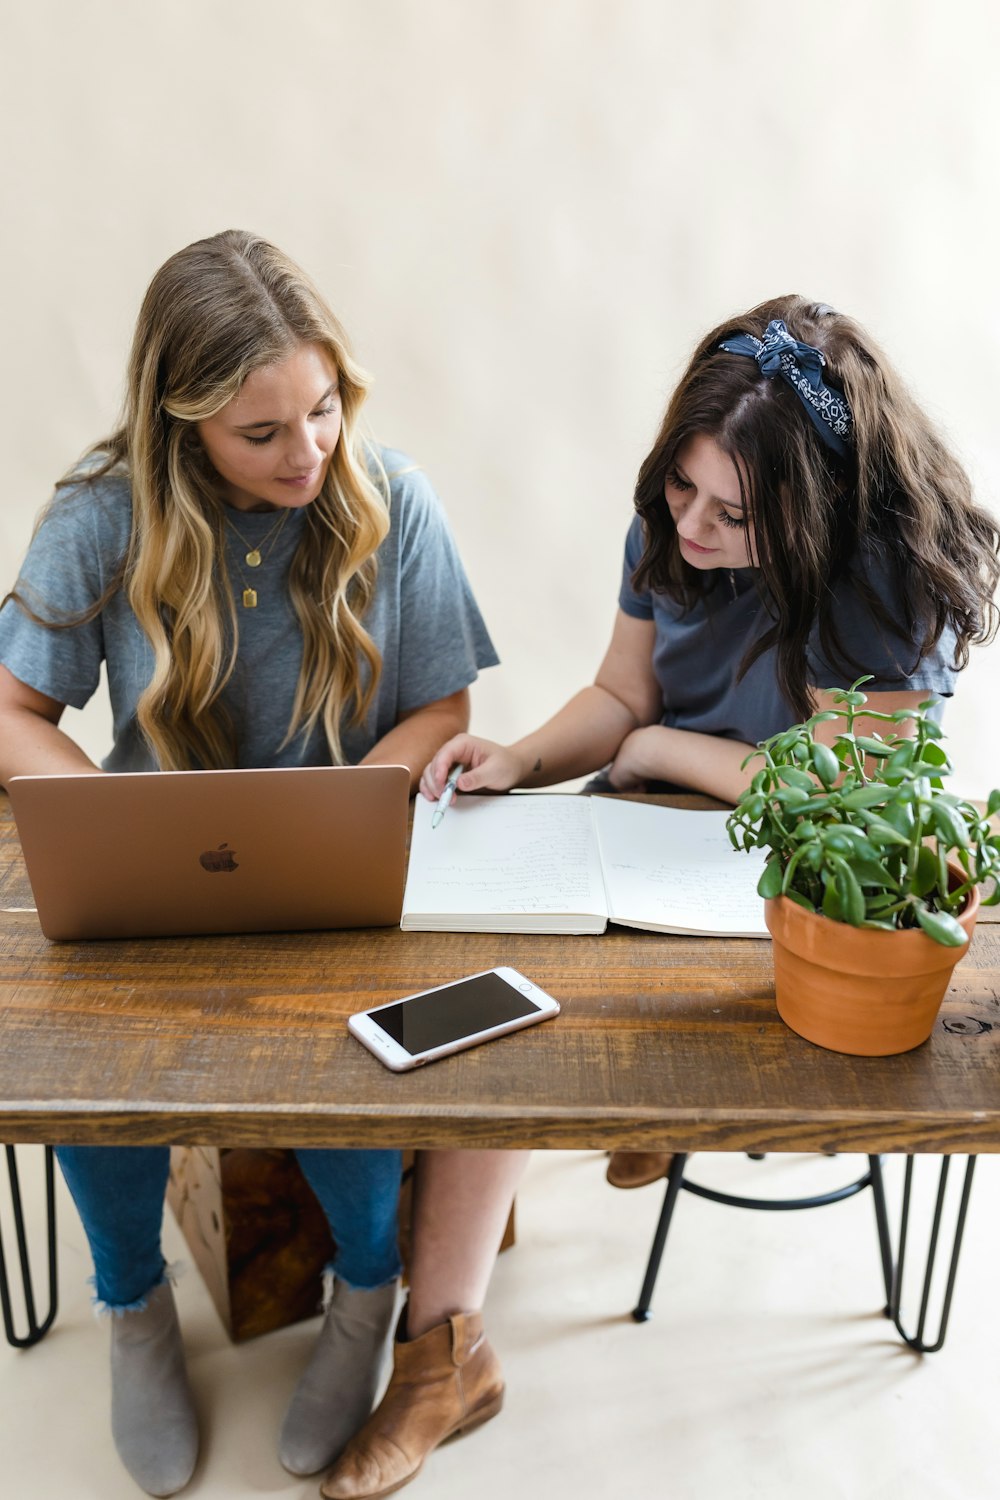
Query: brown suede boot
{"type": "Point", "coordinates": [633, 1169]}
{"type": "Point", "coordinates": [445, 1382]}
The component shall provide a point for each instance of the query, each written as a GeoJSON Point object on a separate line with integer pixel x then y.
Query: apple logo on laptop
{"type": "Point", "coordinates": [215, 860]}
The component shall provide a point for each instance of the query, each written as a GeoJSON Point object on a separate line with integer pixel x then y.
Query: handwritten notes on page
{"type": "Point", "coordinates": [505, 864]}
{"type": "Point", "coordinates": [561, 863]}
{"type": "Point", "coordinates": [676, 871]}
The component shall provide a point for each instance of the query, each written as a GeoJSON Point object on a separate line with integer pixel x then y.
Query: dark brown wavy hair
{"type": "Point", "coordinates": [900, 494]}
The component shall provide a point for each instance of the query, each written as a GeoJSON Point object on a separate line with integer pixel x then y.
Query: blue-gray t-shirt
{"type": "Point", "coordinates": [697, 652]}
{"type": "Point", "coordinates": [423, 620]}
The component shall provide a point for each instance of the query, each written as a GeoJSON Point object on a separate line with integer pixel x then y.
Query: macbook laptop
{"type": "Point", "coordinates": [154, 854]}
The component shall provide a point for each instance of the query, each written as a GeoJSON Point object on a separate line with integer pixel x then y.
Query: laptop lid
{"type": "Point", "coordinates": [156, 854]}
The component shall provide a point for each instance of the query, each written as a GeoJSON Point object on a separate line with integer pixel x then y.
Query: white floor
{"type": "Point", "coordinates": [766, 1371]}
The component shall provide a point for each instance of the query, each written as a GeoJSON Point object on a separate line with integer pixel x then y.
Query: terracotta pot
{"type": "Point", "coordinates": [856, 989]}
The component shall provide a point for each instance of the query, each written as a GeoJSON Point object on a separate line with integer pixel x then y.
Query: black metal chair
{"type": "Point", "coordinates": [892, 1267]}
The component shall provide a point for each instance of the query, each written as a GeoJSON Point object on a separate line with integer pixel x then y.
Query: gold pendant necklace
{"type": "Point", "coordinates": [256, 556]}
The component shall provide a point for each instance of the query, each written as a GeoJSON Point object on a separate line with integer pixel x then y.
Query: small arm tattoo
{"type": "Point", "coordinates": [537, 766]}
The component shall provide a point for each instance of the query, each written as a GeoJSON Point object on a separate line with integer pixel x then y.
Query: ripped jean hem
{"type": "Point", "coordinates": [331, 1276]}
{"type": "Point", "coordinates": [104, 1309]}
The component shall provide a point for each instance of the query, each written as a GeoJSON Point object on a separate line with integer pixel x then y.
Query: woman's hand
{"type": "Point", "coordinates": [488, 767]}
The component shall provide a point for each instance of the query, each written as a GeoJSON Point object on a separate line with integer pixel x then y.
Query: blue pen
{"type": "Point", "coordinates": [446, 796]}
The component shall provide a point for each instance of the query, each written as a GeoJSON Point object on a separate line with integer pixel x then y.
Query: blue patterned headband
{"type": "Point", "coordinates": [800, 364]}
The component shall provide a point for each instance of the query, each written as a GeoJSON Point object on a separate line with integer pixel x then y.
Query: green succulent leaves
{"type": "Point", "coordinates": [863, 830]}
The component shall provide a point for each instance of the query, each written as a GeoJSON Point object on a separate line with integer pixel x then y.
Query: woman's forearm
{"type": "Point", "coordinates": [582, 737]}
{"type": "Point", "coordinates": [412, 742]}
{"type": "Point", "coordinates": [704, 762]}
{"type": "Point", "coordinates": [31, 745]}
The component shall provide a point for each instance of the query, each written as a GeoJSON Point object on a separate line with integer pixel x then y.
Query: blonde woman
{"type": "Point", "coordinates": [265, 588]}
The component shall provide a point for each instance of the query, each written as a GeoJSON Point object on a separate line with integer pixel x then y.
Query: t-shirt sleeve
{"type": "Point", "coordinates": [632, 601]}
{"type": "Point", "coordinates": [443, 640]}
{"type": "Point", "coordinates": [63, 574]}
{"type": "Point", "coordinates": [888, 653]}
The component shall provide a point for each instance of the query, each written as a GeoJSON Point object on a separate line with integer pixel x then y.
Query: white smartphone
{"type": "Point", "coordinates": [423, 1027]}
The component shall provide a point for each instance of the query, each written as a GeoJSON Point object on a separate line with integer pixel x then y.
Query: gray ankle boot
{"type": "Point", "coordinates": [153, 1419]}
{"type": "Point", "coordinates": [337, 1391]}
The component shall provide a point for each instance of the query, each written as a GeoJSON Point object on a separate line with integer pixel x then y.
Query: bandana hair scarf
{"type": "Point", "coordinates": [801, 365]}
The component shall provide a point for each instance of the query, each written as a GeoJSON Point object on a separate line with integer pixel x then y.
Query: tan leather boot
{"type": "Point", "coordinates": [445, 1382]}
{"type": "Point", "coordinates": [632, 1169]}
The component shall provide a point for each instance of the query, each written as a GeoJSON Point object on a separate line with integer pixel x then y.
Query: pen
{"type": "Point", "coordinates": [446, 796]}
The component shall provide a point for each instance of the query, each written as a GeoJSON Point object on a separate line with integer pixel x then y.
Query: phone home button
{"type": "Point", "coordinates": [526, 989]}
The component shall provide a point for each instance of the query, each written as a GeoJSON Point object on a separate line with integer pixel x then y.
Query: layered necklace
{"type": "Point", "coordinates": [256, 556]}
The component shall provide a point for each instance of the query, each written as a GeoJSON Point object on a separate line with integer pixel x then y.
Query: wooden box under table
{"type": "Point", "coordinates": [257, 1234]}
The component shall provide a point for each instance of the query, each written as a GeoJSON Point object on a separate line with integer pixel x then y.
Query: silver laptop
{"type": "Point", "coordinates": [155, 854]}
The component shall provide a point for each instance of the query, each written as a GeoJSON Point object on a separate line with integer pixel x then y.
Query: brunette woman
{"type": "Point", "coordinates": [799, 522]}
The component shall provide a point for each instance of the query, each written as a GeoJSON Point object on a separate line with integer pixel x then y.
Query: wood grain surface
{"type": "Point", "coordinates": [663, 1042]}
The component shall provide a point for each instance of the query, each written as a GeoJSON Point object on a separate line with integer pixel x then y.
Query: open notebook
{"type": "Point", "coordinates": [533, 862]}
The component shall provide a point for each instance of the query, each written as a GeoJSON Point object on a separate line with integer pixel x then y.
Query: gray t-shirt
{"type": "Point", "coordinates": [423, 619]}
{"type": "Point", "coordinates": [697, 653]}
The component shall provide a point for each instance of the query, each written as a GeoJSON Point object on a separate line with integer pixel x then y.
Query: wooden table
{"type": "Point", "coordinates": [664, 1042]}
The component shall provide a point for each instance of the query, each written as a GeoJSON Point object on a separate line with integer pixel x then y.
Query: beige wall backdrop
{"type": "Point", "coordinates": [526, 212]}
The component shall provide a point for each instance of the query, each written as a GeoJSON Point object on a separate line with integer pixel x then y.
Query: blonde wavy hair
{"type": "Point", "coordinates": [216, 311]}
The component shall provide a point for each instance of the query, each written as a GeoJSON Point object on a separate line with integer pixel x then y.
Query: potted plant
{"type": "Point", "coordinates": [871, 879]}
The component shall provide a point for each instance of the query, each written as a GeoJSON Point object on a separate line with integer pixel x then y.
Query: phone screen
{"type": "Point", "coordinates": [458, 1010]}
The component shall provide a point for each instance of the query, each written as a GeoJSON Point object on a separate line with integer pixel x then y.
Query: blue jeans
{"type": "Point", "coordinates": [119, 1192]}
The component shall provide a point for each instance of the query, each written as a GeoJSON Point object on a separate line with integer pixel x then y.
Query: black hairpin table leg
{"type": "Point", "coordinates": [917, 1339]}
{"type": "Point", "coordinates": [36, 1330]}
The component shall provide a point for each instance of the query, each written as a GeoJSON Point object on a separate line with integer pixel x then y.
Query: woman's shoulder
{"type": "Point", "coordinates": [874, 571]}
{"type": "Point", "coordinates": [73, 559]}
{"type": "Point", "coordinates": [408, 482]}
{"type": "Point", "coordinates": [87, 506]}
{"type": "Point", "coordinates": [415, 510]}
{"type": "Point", "coordinates": [876, 622]}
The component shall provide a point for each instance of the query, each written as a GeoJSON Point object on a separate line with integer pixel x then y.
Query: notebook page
{"type": "Point", "coordinates": [521, 859]}
{"type": "Point", "coordinates": [676, 871]}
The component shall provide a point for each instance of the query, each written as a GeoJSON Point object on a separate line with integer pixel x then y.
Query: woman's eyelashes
{"type": "Point", "coordinates": [324, 411]}
{"type": "Point", "coordinates": [684, 486]}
